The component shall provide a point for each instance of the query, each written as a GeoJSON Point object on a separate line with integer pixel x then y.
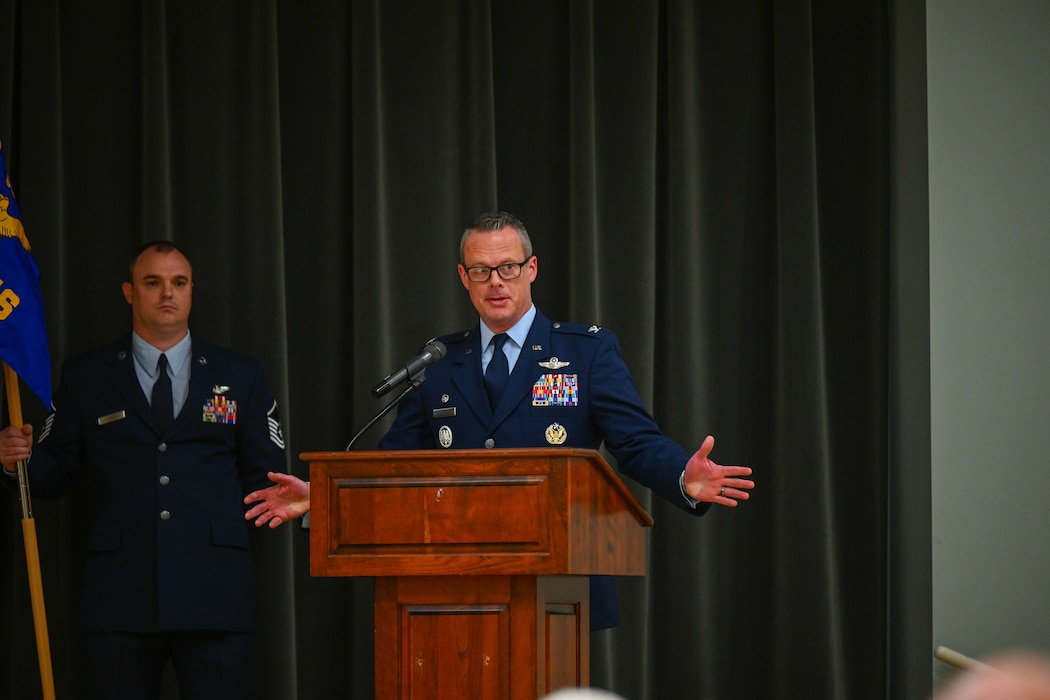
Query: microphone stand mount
{"type": "Point", "coordinates": [414, 383]}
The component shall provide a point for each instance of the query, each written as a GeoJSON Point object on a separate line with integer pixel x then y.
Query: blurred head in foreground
{"type": "Point", "coordinates": [1020, 675]}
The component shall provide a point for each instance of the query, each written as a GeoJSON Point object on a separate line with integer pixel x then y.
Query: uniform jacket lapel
{"type": "Point", "coordinates": [466, 375]}
{"type": "Point", "coordinates": [124, 378]}
{"type": "Point", "coordinates": [127, 383]}
{"type": "Point", "coordinates": [200, 388]}
{"type": "Point", "coordinates": [525, 371]}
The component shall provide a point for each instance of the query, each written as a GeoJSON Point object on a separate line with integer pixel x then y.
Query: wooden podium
{"type": "Point", "coordinates": [481, 561]}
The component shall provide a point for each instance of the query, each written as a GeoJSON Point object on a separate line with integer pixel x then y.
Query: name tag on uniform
{"type": "Point", "coordinates": [445, 412]}
{"type": "Point", "coordinates": [112, 417]}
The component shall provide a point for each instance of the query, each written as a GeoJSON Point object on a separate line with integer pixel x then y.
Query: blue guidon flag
{"type": "Point", "coordinates": [23, 332]}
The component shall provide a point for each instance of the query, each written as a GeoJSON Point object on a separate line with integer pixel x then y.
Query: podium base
{"type": "Point", "coordinates": [501, 637]}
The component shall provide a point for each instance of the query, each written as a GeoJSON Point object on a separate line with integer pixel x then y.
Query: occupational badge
{"type": "Point", "coordinates": [553, 363]}
{"type": "Point", "coordinates": [445, 436]}
{"type": "Point", "coordinates": [556, 434]}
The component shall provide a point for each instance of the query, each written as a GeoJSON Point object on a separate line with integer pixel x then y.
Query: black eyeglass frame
{"type": "Point", "coordinates": [512, 269]}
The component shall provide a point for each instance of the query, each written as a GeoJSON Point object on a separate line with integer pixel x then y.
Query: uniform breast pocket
{"type": "Point", "coordinates": [558, 425]}
{"type": "Point", "coordinates": [216, 420]}
{"type": "Point", "coordinates": [111, 428]}
{"type": "Point", "coordinates": [218, 410]}
{"type": "Point", "coordinates": [556, 391]}
{"type": "Point", "coordinates": [443, 433]}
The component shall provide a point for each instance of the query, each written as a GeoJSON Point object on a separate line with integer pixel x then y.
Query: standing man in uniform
{"type": "Point", "coordinates": [518, 380]}
{"type": "Point", "coordinates": [171, 433]}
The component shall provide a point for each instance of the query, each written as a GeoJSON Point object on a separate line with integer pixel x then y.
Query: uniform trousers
{"type": "Point", "coordinates": [208, 665]}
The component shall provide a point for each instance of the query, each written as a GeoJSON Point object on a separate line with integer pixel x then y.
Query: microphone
{"type": "Point", "coordinates": [433, 352]}
{"type": "Point", "coordinates": [412, 371]}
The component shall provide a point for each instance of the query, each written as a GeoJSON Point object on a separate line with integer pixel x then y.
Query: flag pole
{"type": "Point", "coordinates": [36, 582]}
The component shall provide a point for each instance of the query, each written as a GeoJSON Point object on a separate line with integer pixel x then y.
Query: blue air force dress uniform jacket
{"type": "Point", "coordinates": [168, 545]}
{"type": "Point", "coordinates": [569, 387]}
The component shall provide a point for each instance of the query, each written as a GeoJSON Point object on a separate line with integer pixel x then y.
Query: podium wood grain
{"type": "Point", "coordinates": [481, 559]}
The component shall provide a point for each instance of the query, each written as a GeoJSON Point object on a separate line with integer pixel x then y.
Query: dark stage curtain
{"type": "Point", "coordinates": [716, 181]}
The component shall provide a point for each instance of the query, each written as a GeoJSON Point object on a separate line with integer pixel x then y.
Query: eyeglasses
{"type": "Point", "coordinates": [506, 271]}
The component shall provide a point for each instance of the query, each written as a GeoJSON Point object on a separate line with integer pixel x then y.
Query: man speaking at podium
{"type": "Point", "coordinates": [518, 380]}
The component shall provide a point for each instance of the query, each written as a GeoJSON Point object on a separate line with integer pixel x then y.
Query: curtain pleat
{"type": "Point", "coordinates": [708, 179]}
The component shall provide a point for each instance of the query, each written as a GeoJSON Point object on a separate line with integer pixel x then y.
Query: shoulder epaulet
{"type": "Point", "coordinates": [594, 330]}
{"type": "Point", "coordinates": [452, 338]}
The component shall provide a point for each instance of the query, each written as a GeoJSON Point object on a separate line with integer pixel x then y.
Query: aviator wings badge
{"type": "Point", "coordinates": [553, 363]}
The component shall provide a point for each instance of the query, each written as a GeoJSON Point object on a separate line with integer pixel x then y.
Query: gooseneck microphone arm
{"type": "Point", "coordinates": [413, 372]}
{"type": "Point", "coordinates": [417, 380]}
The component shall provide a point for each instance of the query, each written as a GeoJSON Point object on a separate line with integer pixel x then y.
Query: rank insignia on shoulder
{"type": "Point", "coordinates": [553, 363]}
{"type": "Point", "coordinates": [594, 329]}
{"type": "Point", "coordinates": [556, 434]}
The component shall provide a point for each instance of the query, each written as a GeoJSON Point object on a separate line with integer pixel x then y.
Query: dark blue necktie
{"type": "Point", "coordinates": [498, 371]}
{"type": "Point", "coordinates": [162, 404]}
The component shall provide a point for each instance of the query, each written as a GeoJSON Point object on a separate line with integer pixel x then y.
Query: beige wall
{"type": "Point", "coordinates": [989, 168]}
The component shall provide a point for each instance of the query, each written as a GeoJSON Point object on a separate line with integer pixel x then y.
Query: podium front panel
{"type": "Point", "coordinates": [480, 512]}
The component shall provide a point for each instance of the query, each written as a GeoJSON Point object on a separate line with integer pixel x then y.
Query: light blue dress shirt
{"type": "Point", "coordinates": [516, 335]}
{"type": "Point", "coordinates": [146, 357]}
